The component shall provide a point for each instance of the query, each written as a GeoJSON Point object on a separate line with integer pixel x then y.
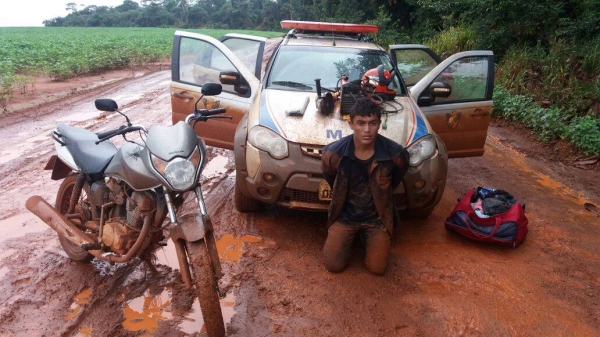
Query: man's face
{"type": "Point", "coordinates": [365, 128]}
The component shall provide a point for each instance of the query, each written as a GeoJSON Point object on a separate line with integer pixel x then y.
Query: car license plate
{"type": "Point", "coordinates": [324, 191]}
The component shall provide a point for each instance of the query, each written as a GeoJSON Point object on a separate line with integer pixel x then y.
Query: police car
{"type": "Point", "coordinates": [291, 96]}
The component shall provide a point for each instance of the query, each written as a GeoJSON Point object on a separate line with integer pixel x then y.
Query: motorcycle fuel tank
{"type": "Point", "coordinates": [127, 165]}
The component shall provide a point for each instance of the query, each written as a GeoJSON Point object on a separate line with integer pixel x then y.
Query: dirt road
{"type": "Point", "coordinates": [438, 283]}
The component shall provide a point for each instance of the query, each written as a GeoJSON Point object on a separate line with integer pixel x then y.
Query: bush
{"type": "Point", "coordinates": [549, 123]}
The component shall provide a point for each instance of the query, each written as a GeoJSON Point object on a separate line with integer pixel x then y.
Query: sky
{"type": "Point", "coordinates": [32, 13]}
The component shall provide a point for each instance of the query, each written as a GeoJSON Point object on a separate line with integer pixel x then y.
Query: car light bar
{"type": "Point", "coordinates": [329, 27]}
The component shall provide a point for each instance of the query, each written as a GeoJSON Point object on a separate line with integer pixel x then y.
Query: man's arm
{"type": "Point", "coordinates": [328, 168]}
{"type": "Point", "coordinates": [401, 163]}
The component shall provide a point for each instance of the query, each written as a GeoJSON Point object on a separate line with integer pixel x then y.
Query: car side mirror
{"type": "Point", "coordinates": [230, 78]}
{"type": "Point", "coordinates": [241, 89]}
{"type": "Point", "coordinates": [424, 100]}
{"type": "Point", "coordinates": [211, 89]}
{"type": "Point", "coordinates": [105, 104]}
{"type": "Point", "coordinates": [440, 89]}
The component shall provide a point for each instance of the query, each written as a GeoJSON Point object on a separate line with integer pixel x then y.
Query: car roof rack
{"type": "Point", "coordinates": [329, 29]}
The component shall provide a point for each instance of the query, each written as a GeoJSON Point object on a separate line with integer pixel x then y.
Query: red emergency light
{"type": "Point", "coordinates": [329, 27]}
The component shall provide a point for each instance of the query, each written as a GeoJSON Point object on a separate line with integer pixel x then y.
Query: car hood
{"type": "Point", "coordinates": [294, 116]}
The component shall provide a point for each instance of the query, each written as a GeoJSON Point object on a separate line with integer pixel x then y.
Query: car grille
{"type": "Point", "coordinates": [312, 151]}
{"type": "Point", "coordinates": [290, 195]}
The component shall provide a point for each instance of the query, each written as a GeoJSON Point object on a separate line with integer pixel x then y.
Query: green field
{"type": "Point", "coordinates": [65, 52]}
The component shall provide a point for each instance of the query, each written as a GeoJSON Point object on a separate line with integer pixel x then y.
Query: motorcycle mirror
{"type": "Point", "coordinates": [211, 89]}
{"type": "Point", "coordinates": [105, 104]}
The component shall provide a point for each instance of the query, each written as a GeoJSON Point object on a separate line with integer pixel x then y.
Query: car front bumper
{"type": "Point", "coordinates": [294, 181]}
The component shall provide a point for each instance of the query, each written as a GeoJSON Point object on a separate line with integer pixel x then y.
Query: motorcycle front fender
{"type": "Point", "coordinates": [60, 170]}
{"type": "Point", "coordinates": [191, 227]}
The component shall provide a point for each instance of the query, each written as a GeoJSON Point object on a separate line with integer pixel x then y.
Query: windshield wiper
{"type": "Point", "coordinates": [293, 84]}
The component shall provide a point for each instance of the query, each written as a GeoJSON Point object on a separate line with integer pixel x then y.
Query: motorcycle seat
{"type": "Point", "coordinates": [88, 156]}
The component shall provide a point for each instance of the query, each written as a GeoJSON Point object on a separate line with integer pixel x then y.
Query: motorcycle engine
{"type": "Point", "coordinates": [118, 236]}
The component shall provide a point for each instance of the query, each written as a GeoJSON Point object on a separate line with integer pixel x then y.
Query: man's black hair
{"type": "Point", "coordinates": [365, 106]}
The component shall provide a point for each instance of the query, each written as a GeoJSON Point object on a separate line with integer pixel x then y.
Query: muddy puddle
{"type": "Point", "coordinates": [143, 314]}
{"type": "Point", "coordinates": [19, 225]}
{"type": "Point", "coordinates": [215, 167]}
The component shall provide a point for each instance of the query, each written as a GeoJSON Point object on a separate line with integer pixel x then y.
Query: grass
{"type": "Point", "coordinates": [65, 52]}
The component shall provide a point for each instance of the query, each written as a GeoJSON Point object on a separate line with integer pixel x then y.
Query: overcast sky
{"type": "Point", "coordinates": [31, 13]}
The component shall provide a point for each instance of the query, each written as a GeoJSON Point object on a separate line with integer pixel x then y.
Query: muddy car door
{"type": "Point", "coordinates": [455, 95]}
{"type": "Point", "coordinates": [198, 59]}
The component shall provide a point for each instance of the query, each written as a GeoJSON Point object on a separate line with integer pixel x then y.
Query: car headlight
{"type": "Point", "coordinates": [267, 140]}
{"type": "Point", "coordinates": [421, 150]}
{"type": "Point", "coordinates": [180, 173]}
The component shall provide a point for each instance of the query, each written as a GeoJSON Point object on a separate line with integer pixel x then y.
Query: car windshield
{"type": "Point", "coordinates": [297, 67]}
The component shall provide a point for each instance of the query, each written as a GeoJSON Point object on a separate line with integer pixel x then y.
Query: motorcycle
{"type": "Point", "coordinates": [113, 207]}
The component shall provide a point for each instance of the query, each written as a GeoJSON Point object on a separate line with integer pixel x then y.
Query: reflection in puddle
{"type": "Point", "coordinates": [168, 256]}
{"type": "Point", "coordinates": [20, 225]}
{"type": "Point", "coordinates": [80, 299]}
{"type": "Point", "coordinates": [144, 312]}
{"type": "Point", "coordinates": [193, 321]}
{"type": "Point", "coordinates": [86, 331]}
{"type": "Point", "coordinates": [230, 248]}
{"type": "Point", "coordinates": [215, 167]}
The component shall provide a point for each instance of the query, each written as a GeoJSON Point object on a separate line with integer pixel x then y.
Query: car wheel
{"type": "Point", "coordinates": [243, 203]}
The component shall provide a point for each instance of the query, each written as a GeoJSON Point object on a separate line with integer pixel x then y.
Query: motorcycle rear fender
{"type": "Point", "coordinates": [191, 227]}
{"type": "Point", "coordinates": [60, 170]}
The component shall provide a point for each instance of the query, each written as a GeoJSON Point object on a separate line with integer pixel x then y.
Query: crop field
{"type": "Point", "coordinates": [64, 52]}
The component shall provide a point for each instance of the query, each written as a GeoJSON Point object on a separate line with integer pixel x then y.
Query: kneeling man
{"type": "Point", "coordinates": [363, 169]}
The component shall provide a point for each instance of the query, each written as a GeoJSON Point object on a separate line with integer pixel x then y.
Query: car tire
{"type": "Point", "coordinates": [244, 204]}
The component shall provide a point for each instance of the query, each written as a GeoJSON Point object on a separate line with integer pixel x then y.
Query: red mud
{"type": "Point", "coordinates": [438, 283]}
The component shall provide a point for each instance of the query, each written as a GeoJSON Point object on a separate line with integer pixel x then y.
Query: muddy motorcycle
{"type": "Point", "coordinates": [114, 206]}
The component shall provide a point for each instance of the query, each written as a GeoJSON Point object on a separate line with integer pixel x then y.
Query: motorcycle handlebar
{"type": "Point", "coordinates": [106, 134]}
{"type": "Point", "coordinates": [120, 131]}
{"type": "Point", "coordinates": [212, 112]}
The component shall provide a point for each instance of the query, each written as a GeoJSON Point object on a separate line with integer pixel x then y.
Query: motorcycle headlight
{"type": "Point", "coordinates": [179, 172]}
{"type": "Point", "coordinates": [267, 140]}
{"type": "Point", "coordinates": [421, 150]}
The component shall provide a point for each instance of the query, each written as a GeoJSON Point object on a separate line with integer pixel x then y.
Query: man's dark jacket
{"type": "Point", "coordinates": [389, 164]}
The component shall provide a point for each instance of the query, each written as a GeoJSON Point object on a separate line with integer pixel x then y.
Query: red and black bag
{"type": "Point", "coordinates": [507, 225]}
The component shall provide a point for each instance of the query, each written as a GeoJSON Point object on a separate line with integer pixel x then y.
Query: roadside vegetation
{"type": "Point", "coordinates": [65, 52]}
{"type": "Point", "coordinates": [547, 51]}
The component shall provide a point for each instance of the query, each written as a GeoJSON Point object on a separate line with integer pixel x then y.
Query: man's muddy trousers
{"type": "Point", "coordinates": [338, 245]}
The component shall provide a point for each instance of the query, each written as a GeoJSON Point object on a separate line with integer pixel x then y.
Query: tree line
{"type": "Point", "coordinates": [494, 24]}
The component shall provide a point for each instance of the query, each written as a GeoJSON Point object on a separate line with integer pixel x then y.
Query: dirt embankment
{"type": "Point", "coordinates": [438, 283]}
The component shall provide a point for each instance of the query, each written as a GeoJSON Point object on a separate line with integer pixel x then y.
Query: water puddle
{"type": "Point", "coordinates": [143, 313]}
{"type": "Point", "coordinates": [79, 116]}
{"type": "Point", "coordinates": [215, 167]}
{"type": "Point", "coordinates": [193, 321]}
{"type": "Point", "coordinates": [168, 256]}
{"type": "Point", "coordinates": [20, 225]}
{"type": "Point", "coordinates": [8, 155]}
{"type": "Point", "coordinates": [86, 331]}
{"type": "Point", "coordinates": [80, 300]}
{"type": "Point", "coordinates": [230, 248]}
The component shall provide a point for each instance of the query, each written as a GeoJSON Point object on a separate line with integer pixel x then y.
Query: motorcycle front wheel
{"type": "Point", "coordinates": [206, 287]}
{"type": "Point", "coordinates": [63, 200]}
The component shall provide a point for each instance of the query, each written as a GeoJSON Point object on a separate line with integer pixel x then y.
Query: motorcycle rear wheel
{"type": "Point", "coordinates": [63, 199]}
{"type": "Point", "coordinates": [206, 287]}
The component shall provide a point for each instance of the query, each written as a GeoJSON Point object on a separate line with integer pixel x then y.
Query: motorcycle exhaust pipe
{"type": "Point", "coordinates": [49, 215]}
